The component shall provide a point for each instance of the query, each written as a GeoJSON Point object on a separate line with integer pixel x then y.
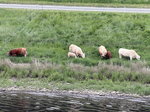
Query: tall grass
{"type": "Point", "coordinates": [75, 72]}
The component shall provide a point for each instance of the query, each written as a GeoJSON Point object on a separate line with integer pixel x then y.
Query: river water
{"type": "Point", "coordinates": [65, 102]}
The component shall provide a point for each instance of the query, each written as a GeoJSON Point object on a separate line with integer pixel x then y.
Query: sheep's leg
{"type": "Point", "coordinates": [130, 57]}
{"type": "Point", "coordinates": [120, 56]}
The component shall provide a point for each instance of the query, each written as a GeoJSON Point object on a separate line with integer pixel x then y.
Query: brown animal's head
{"type": "Point", "coordinates": [108, 55]}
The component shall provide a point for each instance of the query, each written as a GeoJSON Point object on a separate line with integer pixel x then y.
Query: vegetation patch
{"type": "Point", "coordinates": [106, 77]}
{"type": "Point", "coordinates": [48, 34]}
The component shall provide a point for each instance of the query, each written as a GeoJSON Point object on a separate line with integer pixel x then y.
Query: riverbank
{"type": "Point", "coordinates": [73, 93]}
{"type": "Point", "coordinates": [102, 87]}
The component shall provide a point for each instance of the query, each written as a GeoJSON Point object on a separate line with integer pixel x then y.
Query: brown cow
{"type": "Point", "coordinates": [18, 52]}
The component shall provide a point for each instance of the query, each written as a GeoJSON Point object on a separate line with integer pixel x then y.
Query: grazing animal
{"type": "Point", "coordinates": [77, 50]}
{"type": "Point", "coordinates": [128, 53]}
{"type": "Point", "coordinates": [102, 51]}
{"type": "Point", "coordinates": [18, 52]}
{"type": "Point", "coordinates": [108, 55]}
{"type": "Point", "coordinates": [70, 54]}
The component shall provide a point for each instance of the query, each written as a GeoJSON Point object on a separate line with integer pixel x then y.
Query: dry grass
{"type": "Point", "coordinates": [7, 62]}
{"type": "Point", "coordinates": [35, 64]}
{"type": "Point", "coordinates": [137, 67]}
{"type": "Point", "coordinates": [135, 72]}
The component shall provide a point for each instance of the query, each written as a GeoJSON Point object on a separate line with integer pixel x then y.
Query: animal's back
{"type": "Point", "coordinates": [127, 52]}
{"type": "Point", "coordinates": [124, 51]}
{"type": "Point", "coordinates": [102, 50]}
{"type": "Point", "coordinates": [18, 52]}
{"type": "Point", "coordinates": [74, 48]}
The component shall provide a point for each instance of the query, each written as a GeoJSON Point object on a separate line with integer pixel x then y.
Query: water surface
{"type": "Point", "coordinates": [64, 102]}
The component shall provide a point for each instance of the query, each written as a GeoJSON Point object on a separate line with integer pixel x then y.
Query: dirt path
{"type": "Point", "coordinates": [75, 8]}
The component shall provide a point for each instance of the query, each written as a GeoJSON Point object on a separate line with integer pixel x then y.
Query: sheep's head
{"type": "Point", "coordinates": [83, 55]}
{"type": "Point", "coordinates": [138, 57]}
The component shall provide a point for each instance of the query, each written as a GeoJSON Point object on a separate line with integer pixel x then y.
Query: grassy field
{"type": "Point", "coordinates": [102, 3]}
{"type": "Point", "coordinates": [47, 35]}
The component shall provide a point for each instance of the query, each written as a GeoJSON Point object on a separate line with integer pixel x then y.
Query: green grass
{"type": "Point", "coordinates": [102, 3]}
{"type": "Point", "coordinates": [47, 35]}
